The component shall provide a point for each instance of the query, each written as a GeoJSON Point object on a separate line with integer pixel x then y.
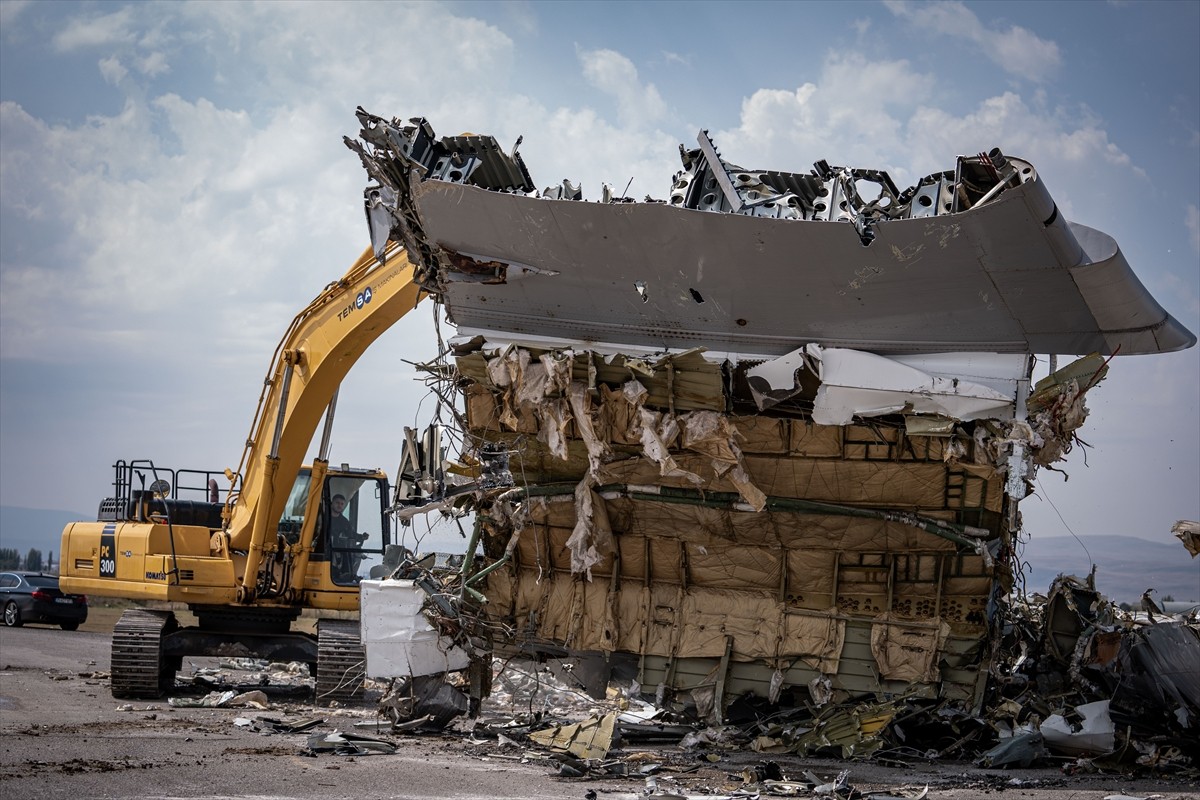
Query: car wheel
{"type": "Point", "coordinates": [69, 626]}
{"type": "Point", "coordinates": [12, 615]}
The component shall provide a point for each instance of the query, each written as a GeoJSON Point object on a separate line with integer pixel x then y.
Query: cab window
{"type": "Point", "coordinates": [353, 526]}
{"type": "Point", "coordinates": [292, 519]}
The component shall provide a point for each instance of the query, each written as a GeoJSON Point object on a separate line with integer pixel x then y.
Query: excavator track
{"type": "Point", "coordinates": [341, 661]}
{"type": "Point", "coordinates": [139, 668]}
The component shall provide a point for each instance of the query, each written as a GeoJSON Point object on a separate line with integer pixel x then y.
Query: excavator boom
{"type": "Point", "coordinates": [321, 345]}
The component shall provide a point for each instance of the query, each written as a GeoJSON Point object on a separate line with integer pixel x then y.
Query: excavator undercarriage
{"type": "Point", "coordinates": [149, 646]}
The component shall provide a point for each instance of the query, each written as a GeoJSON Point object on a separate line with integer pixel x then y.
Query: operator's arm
{"type": "Point", "coordinates": [344, 534]}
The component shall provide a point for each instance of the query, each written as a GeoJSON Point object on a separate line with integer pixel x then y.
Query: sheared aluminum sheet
{"type": "Point", "coordinates": [995, 278]}
{"type": "Point", "coordinates": [398, 639]}
{"type": "Point", "coordinates": [868, 385]}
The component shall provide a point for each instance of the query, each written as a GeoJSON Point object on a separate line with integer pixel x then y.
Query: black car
{"type": "Point", "coordinates": [34, 597]}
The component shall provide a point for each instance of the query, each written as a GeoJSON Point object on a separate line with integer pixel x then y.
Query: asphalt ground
{"type": "Point", "coordinates": [62, 735]}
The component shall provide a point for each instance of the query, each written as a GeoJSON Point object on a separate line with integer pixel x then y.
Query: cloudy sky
{"type": "Point", "coordinates": [175, 188]}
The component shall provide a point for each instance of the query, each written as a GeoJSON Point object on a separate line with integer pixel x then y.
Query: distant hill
{"type": "Point", "coordinates": [25, 529]}
{"type": "Point", "coordinates": [1126, 566]}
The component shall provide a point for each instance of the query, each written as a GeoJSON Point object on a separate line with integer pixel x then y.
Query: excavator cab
{"type": "Point", "coordinates": [354, 524]}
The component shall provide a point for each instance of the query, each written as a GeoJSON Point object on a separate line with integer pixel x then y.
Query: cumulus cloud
{"type": "Point", "coordinates": [1014, 49]}
{"type": "Point", "coordinates": [882, 114]}
{"type": "Point", "coordinates": [115, 211]}
{"type": "Point", "coordinates": [112, 70]}
{"type": "Point", "coordinates": [96, 31]}
{"type": "Point", "coordinates": [153, 64]}
{"type": "Point", "coordinates": [1073, 137]}
{"type": "Point", "coordinates": [198, 202]}
{"type": "Point", "coordinates": [132, 40]}
{"type": "Point", "coordinates": [638, 104]}
{"type": "Point", "coordinates": [853, 112]}
{"type": "Point", "coordinates": [619, 156]}
{"type": "Point", "coordinates": [303, 48]}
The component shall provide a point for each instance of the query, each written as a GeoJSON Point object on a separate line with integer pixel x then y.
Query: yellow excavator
{"type": "Point", "coordinates": [281, 538]}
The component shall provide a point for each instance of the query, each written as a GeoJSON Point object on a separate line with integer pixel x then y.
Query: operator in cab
{"type": "Point", "coordinates": [340, 529]}
{"type": "Point", "coordinates": [343, 537]}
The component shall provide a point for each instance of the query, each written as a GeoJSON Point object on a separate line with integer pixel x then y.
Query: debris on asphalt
{"type": "Point", "coordinates": [227, 699]}
{"type": "Point", "coordinates": [269, 725]}
{"type": "Point", "coordinates": [591, 738]}
{"type": "Point", "coordinates": [349, 744]}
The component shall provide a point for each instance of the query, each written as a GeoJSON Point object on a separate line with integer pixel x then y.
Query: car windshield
{"type": "Point", "coordinates": [42, 581]}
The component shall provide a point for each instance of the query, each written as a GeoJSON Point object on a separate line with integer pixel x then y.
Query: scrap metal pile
{"type": "Point", "coordinates": [1085, 681]}
{"type": "Point", "coordinates": [757, 450]}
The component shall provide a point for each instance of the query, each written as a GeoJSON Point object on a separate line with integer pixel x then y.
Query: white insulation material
{"type": "Point", "coordinates": [398, 638]}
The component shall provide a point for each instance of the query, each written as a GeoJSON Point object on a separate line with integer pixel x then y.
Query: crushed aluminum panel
{"type": "Point", "coordinates": [960, 386]}
{"type": "Point", "coordinates": [864, 384]}
{"type": "Point", "coordinates": [999, 371]}
{"type": "Point", "coordinates": [1094, 736]}
{"type": "Point", "coordinates": [590, 738]}
{"type": "Point", "coordinates": [995, 278]}
{"type": "Point", "coordinates": [1160, 686]}
{"type": "Point", "coordinates": [398, 639]}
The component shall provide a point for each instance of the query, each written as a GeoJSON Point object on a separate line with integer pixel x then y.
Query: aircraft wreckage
{"type": "Point", "coordinates": [766, 438]}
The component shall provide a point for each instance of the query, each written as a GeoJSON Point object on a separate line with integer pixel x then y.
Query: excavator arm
{"type": "Point", "coordinates": [322, 343]}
